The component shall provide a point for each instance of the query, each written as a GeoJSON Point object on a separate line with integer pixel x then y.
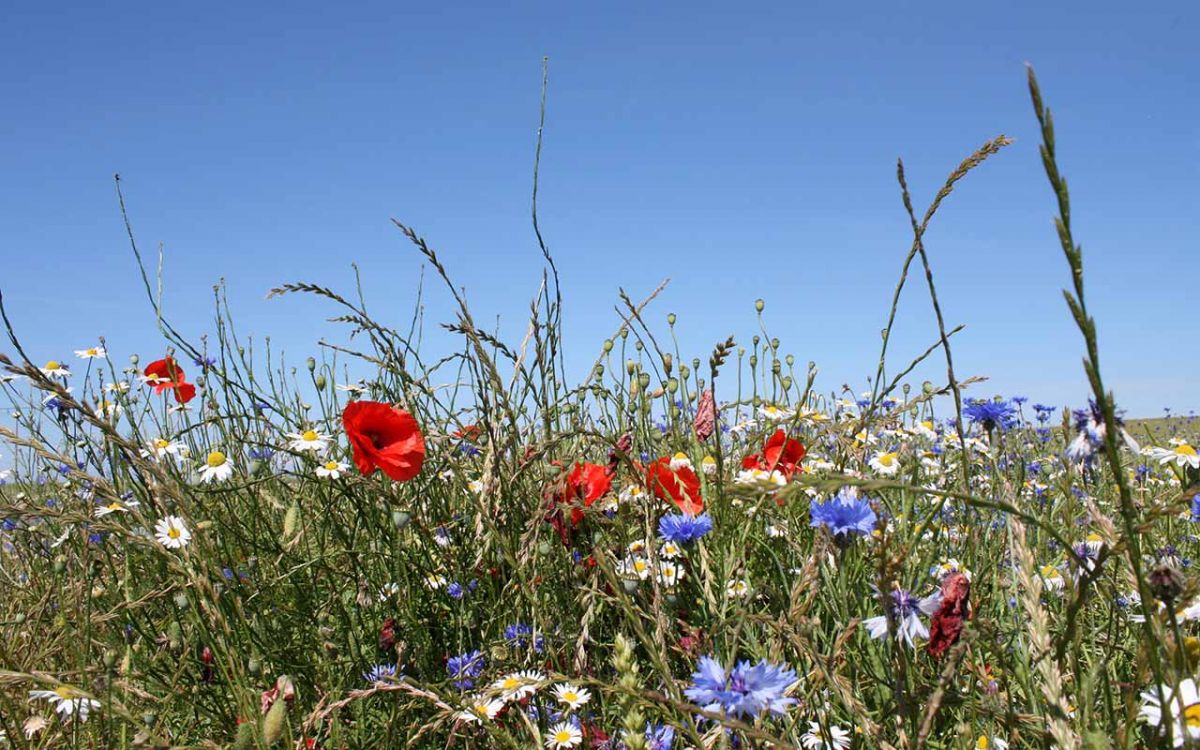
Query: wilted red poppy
{"type": "Point", "coordinates": [468, 432]}
{"type": "Point", "coordinates": [166, 373]}
{"type": "Point", "coordinates": [780, 453]}
{"type": "Point", "coordinates": [384, 437]}
{"type": "Point", "coordinates": [947, 623]}
{"type": "Point", "coordinates": [680, 486]}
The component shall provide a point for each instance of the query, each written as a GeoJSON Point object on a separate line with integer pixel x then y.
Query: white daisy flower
{"type": "Point", "coordinates": [760, 479]}
{"type": "Point", "coordinates": [634, 568]}
{"type": "Point", "coordinates": [738, 588]}
{"type": "Point", "coordinates": [570, 696]}
{"type": "Point", "coordinates": [1052, 579]}
{"type": "Point", "coordinates": [680, 461]}
{"type": "Point", "coordinates": [172, 533]}
{"type": "Point", "coordinates": [829, 737]}
{"type": "Point", "coordinates": [632, 493]}
{"type": "Point", "coordinates": [669, 550]}
{"type": "Point", "coordinates": [309, 440]}
{"type": "Point", "coordinates": [885, 463]}
{"type": "Point", "coordinates": [162, 448]}
{"type": "Point", "coordinates": [116, 506]}
{"type": "Point", "coordinates": [121, 386]}
{"type": "Point", "coordinates": [563, 735]}
{"type": "Point", "coordinates": [359, 387]}
{"type": "Point", "coordinates": [1182, 454]}
{"type": "Point", "coordinates": [708, 465]}
{"type": "Point", "coordinates": [91, 353]}
{"type": "Point", "coordinates": [948, 566]}
{"type": "Point", "coordinates": [669, 573]}
{"type": "Point", "coordinates": [216, 468]}
{"type": "Point", "coordinates": [68, 701]}
{"type": "Point", "coordinates": [54, 368]}
{"type": "Point", "coordinates": [331, 470]}
{"type": "Point", "coordinates": [518, 685]}
{"type": "Point", "coordinates": [926, 429]}
{"type": "Point", "coordinates": [481, 708]}
{"type": "Point", "coordinates": [1186, 721]}
{"type": "Point", "coordinates": [990, 743]}
{"type": "Point", "coordinates": [773, 413]}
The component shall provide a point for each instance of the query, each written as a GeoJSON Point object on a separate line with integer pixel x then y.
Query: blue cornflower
{"type": "Point", "coordinates": [381, 673]}
{"type": "Point", "coordinates": [204, 362]}
{"type": "Point", "coordinates": [1196, 509]}
{"type": "Point", "coordinates": [1018, 400]}
{"type": "Point", "coordinates": [464, 668]}
{"type": "Point", "coordinates": [518, 635]}
{"type": "Point", "coordinates": [744, 690]}
{"type": "Point", "coordinates": [682, 528]}
{"type": "Point", "coordinates": [991, 414]}
{"type": "Point", "coordinates": [845, 514]}
{"type": "Point", "coordinates": [455, 590]}
{"type": "Point", "coordinates": [659, 736]}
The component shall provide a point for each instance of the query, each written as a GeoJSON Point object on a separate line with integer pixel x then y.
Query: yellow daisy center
{"type": "Point", "coordinates": [92, 352]}
{"type": "Point", "coordinates": [114, 506]}
{"type": "Point", "coordinates": [52, 365]}
{"type": "Point", "coordinates": [1191, 716]}
{"type": "Point", "coordinates": [215, 459]}
{"type": "Point", "coordinates": [1049, 571]}
{"type": "Point", "coordinates": [1185, 450]}
{"type": "Point", "coordinates": [161, 444]}
{"type": "Point", "coordinates": [331, 466]}
{"type": "Point", "coordinates": [481, 709]}
{"type": "Point", "coordinates": [65, 692]}
{"type": "Point", "coordinates": [173, 532]}
{"type": "Point", "coordinates": [680, 456]}
{"type": "Point", "coordinates": [570, 696]}
{"type": "Point", "coordinates": [983, 743]}
{"type": "Point", "coordinates": [887, 459]}
{"type": "Point", "coordinates": [562, 735]}
{"type": "Point", "coordinates": [309, 436]}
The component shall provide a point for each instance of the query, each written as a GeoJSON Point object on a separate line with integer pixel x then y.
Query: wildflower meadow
{"type": "Point", "coordinates": [203, 547]}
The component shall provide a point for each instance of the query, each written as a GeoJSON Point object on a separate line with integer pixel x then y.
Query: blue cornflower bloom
{"type": "Point", "coordinates": [381, 673]}
{"type": "Point", "coordinates": [204, 362]}
{"type": "Point", "coordinates": [682, 528]}
{"type": "Point", "coordinates": [1018, 400]}
{"type": "Point", "coordinates": [1196, 509]}
{"type": "Point", "coordinates": [990, 414]}
{"type": "Point", "coordinates": [659, 737]}
{"type": "Point", "coordinates": [845, 514]}
{"type": "Point", "coordinates": [455, 590]}
{"type": "Point", "coordinates": [464, 668]}
{"type": "Point", "coordinates": [745, 690]}
{"type": "Point", "coordinates": [519, 635]}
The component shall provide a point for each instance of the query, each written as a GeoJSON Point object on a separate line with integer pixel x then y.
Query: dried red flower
{"type": "Point", "coordinates": [780, 453]}
{"type": "Point", "coordinates": [706, 416]}
{"type": "Point", "coordinates": [947, 623]}
{"type": "Point", "coordinates": [385, 438]}
{"type": "Point", "coordinates": [679, 486]}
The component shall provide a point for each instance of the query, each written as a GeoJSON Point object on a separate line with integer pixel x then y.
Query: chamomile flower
{"type": "Point", "coordinates": [925, 428]}
{"type": "Point", "coordinates": [828, 737]}
{"type": "Point", "coordinates": [885, 463]}
{"type": "Point", "coordinates": [116, 506]}
{"type": "Point", "coordinates": [669, 550]}
{"type": "Point", "coordinates": [475, 486]}
{"type": "Point", "coordinates": [1052, 579]}
{"type": "Point", "coordinates": [356, 388]}
{"type": "Point", "coordinates": [161, 448]}
{"type": "Point", "coordinates": [634, 568]}
{"type": "Point", "coordinates": [480, 708]}
{"type": "Point", "coordinates": [563, 734]}
{"type": "Point", "coordinates": [680, 461]}
{"type": "Point", "coordinates": [331, 470]}
{"type": "Point", "coordinates": [708, 465]}
{"type": "Point", "coordinates": [55, 369]}
{"type": "Point", "coordinates": [948, 566]}
{"type": "Point", "coordinates": [172, 533]}
{"type": "Point", "coordinates": [120, 386]}
{"type": "Point", "coordinates": [309, 440]}
{"type": "Point", "coordinates": [669, 573]}
{"type": "Point", "coordinates": [570, 696]}
{"type": "Point", "coordinates": [69, 702]}
{"type": "Point", "coordinates": [760, 479]}
{"type": "Point", "coordinates": [738, 588]}
{"type": "Point", "coordinates": [516, 686]}
{"type": "Point", "coordinates": [1185, 721]}
{"type": "Point", "coordinates": [990, 743]}
{"type": "Point", "coordinates": [632, 493]}
{"type": "Point", "coordinates": [435, 581]}
{"type": "Point", "coordinates": [774, 413]}
{"type": "Point", "coordinates": [216, 468]}
{"type": "Point", "coordinates": [95, 352]}
{"type": "Point", "coordinates": [1182, 454]}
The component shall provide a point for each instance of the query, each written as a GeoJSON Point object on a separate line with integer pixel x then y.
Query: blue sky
{"type": "Point", "coordinates": [743, 150]}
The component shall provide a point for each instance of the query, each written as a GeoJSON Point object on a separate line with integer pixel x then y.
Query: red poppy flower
{"type": "Point", "coordinates": [468, 432]}
{"type": "Point", "coordinates": [166, 373]}
{"type": "Point", "coordinates": [587, 483]}
{"type": "Point", "coordinates": [780, 453]}
{"type": "Point", "coordinates": [384, 437]}
{"type": "Point", "coordinates": [679, 486]}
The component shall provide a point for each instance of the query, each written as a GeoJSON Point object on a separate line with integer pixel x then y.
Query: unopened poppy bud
{"type": "Point", "coordinates": [320, 382]}
{"type": "Point", "coordinates": [787, 382]}
{"type": "Point", "coordinates": [672, 385]}
{"type": "Point", "coordinates": [311, 363]}
{"type": "Point", "coordinates": [110, 659]}
{"type": "Point", "coordinates": [630, 367]}
{"type": "Point", "coordinates": [133, 360]}
{"type": "Point", "coordinates": [608, 345]}
{"type": "Point", "coordinates": [927, 387]}
{"type": "Point", "coordinates": [644, 379]}
{"type": "Point", "coordinates": [759, 304]}
{"type": "Point", "coordinates": [274, 722]}
{"type": "Point", "coordinates": [667, 363]}
{"type": "Point", "coordinates": [670, 319]}
{"type": "Point", "coordinates": [684, 371]}
{"type": "Point", "coordinates": [754, 360]}
{"type": "Point", "coordinates": [790, 360]}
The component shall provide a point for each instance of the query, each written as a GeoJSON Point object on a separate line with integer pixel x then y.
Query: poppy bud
{"type": "Point", "coordinates": [274, 722]}
{"type": "Point", "coordinates": [608, 346]}
{"type": "Point", "coordinates": [667, 363]}
{"type": "Point", "coordinates": [759, 304]}
{"type": "Point", "coordinates": [630, 367]}
{"type": "Point", "coordinates": [684, 371]}
{"type": "Point", "coordinates": [320, 382]}
{"type": "Point", "coordinates": [670, 319]}
{"type": "Point", "coordinates": [133, 360]}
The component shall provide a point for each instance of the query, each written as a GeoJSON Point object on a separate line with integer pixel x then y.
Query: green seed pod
{"type": "Point", "coordinates": [320, 382]}
{"type": "Point", "coordinates": [400, 518]}
{"type": "Point", "coordinates": [254, 667]}
{"type": "Point", "coordinates": [134, 359]}
{"type": "Point", "coordinates": [543, 548]}
{"type": "Point", "coordinates": [311, 364]}
{"type": "Point", "coordinates": [755, 340]}
{"type": "Point", "coordinates": [639, 345]}
{"type": "Point", "coordinates": [275, 722]}
{"type": "Point", "coordinates": [644, 380]}
{"type": "Point", "coordinates": [790, 360]}
{"type": "Point", "coordinates": [599, 370]}
{"type": "Point", "coordinates": [759, 304]}
{"type": "Point", "coordinates": [684, 371]}
{"type": "Point", "coordinates": [630, 367]}
{"type": "Point", "coordinates": [776, 366]}
{"type": "Point", "coordinates": [927, 387]}
{"type": "Point", "coordinates": [670, 319]}
{"type": "Point", "coordinates": [110, 658]}
{"type": "Point", "coordinates": [672, 385]}
{"type": "Point", "coordinates": [608, 345]}
{"type": "Point", "coordinates": [668, 362]}
{"type": "Point", "coordinates": [290, 520]}
{"type": "Point", "coordinates": [774, 344]}
{"type": "Point", "coordinates": [754, 360]}
{"type": "Point", "coordinates": [787, 382]}
{"type": "Point", "coordinates": [624, 333]}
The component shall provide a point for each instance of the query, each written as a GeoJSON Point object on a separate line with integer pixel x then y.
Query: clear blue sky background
{"type": "Point", "coordinates": [744, 150]}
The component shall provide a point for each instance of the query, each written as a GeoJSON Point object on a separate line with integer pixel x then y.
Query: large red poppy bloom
{"type": "Point", "coordinates": [587, 483]}
{"type": "Point", "coordinates": [166, 373]}
{"type": "Point", "coordinates": [384, 437]}
{"type": "Point", "coordinates": [679, 486]}
{"type": "Point", "coordinates": [780, 453]}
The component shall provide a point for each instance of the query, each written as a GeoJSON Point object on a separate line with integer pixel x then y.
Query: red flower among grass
{"type": "Point", "coordinates": [385, 438]}
{"type": "Point", "coordinates": [166, 373]}
{"type": "Point", "coordinates": [780, 453]}
{"type": "Point", "coordinates": [587, 483]}
{"type": "Point", "coordinates": [679, 486]}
